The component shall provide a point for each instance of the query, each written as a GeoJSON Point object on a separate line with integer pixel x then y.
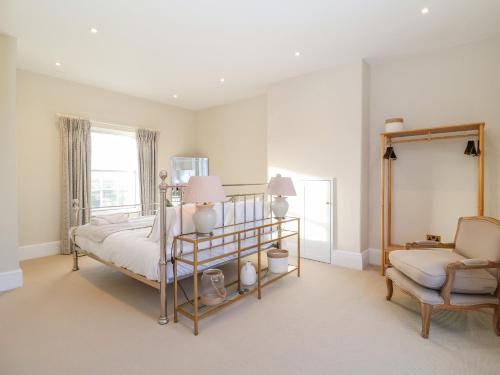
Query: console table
{"type": "Point", "coordinates": [228, 244]}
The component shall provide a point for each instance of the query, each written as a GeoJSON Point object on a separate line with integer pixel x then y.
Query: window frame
{"type": "Point", "coordinates": [103, 129]}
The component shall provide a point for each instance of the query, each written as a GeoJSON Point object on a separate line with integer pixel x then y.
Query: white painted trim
{"type": "Point", "coordinates": [374, 256]}
{"type": "Point", "coordinates": [350, 259]}
{"type": "Point", "coordinates": [39, 250]}
{"type": "Point", "coordinates": [365, 258]}
{"type": "Point", "coordinates": [11, 280]}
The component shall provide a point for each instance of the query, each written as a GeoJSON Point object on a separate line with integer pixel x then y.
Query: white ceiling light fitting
{"type": "Point", "coordinates": [424, 10]}
{"type": "Point", "coordinates": [297, 53]}
{"type": "Point", "coordinates": [222, 80]}
{"type": "Point", "coordinates": [57, 63]}
{"type": "Point", "coordinates": [93, 30]}
{"type": "Point", "coordinates": [175, 96]}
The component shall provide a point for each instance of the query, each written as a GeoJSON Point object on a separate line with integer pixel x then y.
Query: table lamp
{"type": "Point", "coordinates": [204, 191]}
{"type": "Point", "coordinates": [280, 187]}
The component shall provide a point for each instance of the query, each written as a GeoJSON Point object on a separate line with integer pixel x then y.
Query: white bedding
{"type": "Point", "coordinates": [133, 250]}
{"type": "Point", "coordinates": [99, 232]}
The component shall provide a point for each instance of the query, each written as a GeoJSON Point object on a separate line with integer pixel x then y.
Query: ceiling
{"type": "Point", "coordinates": [160, 48]}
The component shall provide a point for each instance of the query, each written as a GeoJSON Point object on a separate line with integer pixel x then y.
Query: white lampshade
{"type": "Point", "coordinates": [283, 186]}
{"type": "Point", "coordinates": [204, 189]}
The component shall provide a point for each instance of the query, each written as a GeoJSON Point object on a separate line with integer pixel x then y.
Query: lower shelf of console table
{"type": "Point", "coordinates": [234, 294]}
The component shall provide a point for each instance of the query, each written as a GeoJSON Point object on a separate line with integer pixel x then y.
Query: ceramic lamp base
{"type": "Point", "coordinates": [204, 218]}
{"type": "Point", "coordinates": [279, 207]}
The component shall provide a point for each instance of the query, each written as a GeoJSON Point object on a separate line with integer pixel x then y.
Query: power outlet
{"type": "Point", "coordinates": [433, 237]}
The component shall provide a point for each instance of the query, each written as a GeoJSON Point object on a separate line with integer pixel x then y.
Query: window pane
{"type": "Point", "coordinates": [114, 170]}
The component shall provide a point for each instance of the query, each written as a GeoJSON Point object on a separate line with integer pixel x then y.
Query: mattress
{"type": "Point", "coordinates": [138, 250]}
{"type": "Point", "coordinates": [133, 250]}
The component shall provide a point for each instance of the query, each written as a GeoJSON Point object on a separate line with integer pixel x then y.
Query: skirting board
{"type": "Point", "coordinates": [350, 259]}
{"type": "Point", "coordinates": [39, 250]}
{"type": "Point", "coordinates": [11, 280]}
{"type": "Point", "coordinates": [374, 256]}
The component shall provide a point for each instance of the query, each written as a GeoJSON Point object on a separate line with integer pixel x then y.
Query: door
{"type": "Point", "coordinates": [314, 205]}
{"type": "Point", "coordinates": [317, 227]}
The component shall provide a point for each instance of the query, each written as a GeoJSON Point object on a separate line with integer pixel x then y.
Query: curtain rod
{"type": "Point", "coordinates": [107, 124]}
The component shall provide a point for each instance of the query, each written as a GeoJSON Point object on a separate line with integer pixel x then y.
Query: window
{"type": "Point", "coordinates": [115, 172]}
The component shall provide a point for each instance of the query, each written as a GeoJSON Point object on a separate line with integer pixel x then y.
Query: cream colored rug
{"type": "Point", "coordinates": [330, 321]}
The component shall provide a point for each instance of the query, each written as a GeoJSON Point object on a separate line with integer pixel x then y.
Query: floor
{"type": "Point", "coordinates": [331, 320]}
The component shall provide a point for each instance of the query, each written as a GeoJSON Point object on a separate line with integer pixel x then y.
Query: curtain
{"type": "Point", "coordinates": [75, 145]}
{"type": "Point", "coordinates": [147, 147]}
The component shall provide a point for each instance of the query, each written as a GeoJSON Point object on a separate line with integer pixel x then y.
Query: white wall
{"type": "Point", "coordinates": [10, 275]}
{"type": "Point", "coordinates": [315, 130]}
{"type": "Point", "coordinates": [233, 137]}
{"type": "Point", "coordinates": [310, 126]}
{"type": "Point", "coordinates": [39, 98]}
{"type": "Point", "coordinates": [435, 183]}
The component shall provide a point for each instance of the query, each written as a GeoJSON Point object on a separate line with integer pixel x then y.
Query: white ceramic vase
{"type": "Point", "coordinates": [248, 274]}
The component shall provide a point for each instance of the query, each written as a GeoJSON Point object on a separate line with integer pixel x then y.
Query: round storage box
{"type": "Point", "coordinates": [277, 260]}
{"type": "Point", "coordinates": [394, 124]}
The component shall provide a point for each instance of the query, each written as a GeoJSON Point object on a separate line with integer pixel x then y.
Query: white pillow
{"type": "Point", "coordinates": [188, 211]}
{"type": "Point", "coordinates": [96, 220]}
{"type": "Point", "coordinates": [171, 217]}
{"type": "Point", "coordinates": [109, 219]}
{"type": "Point", "coordinates": [228, 213]}
{"type": "Point", "coordinates": [116, 218]}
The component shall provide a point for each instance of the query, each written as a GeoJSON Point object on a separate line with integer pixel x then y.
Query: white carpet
{"type": "Point", "coordinates": [330, 321]}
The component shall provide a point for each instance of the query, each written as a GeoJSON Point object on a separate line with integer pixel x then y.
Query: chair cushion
{"type": "Point", "coordinates": [432, 297]}
{"type": "Point", "coordinates": [428, 268]}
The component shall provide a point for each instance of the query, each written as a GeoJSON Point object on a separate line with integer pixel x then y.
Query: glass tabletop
{"type": "Point", "coordinates": [242, 229]}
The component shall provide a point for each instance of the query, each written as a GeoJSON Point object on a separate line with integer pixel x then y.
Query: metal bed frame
{"type": "Point", "coordinates": [164, 187]}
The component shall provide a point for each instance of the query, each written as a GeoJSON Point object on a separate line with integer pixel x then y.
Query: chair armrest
{"type": "Point", "coordinates": [466, 264]}
{"type": "Point", "coordinates": [429, 245]}
{"type": "Point", "coordinates": [471, 264]}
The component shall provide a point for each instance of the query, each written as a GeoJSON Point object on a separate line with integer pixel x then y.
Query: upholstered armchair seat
{"type": "Point", "coordinates": [428, 268]}
{"type": "Point", "coordinates": [463, 275]}
{"type": "Point", "coordinates": [432, 296]}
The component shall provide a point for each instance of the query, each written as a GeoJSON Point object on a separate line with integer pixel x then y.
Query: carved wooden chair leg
{"type": "Point", "coordinates": [425, 312]}
{"type": "Point", "coordinates": [496, 320]}
{"type": "Point", "coordinates": [390, 288]}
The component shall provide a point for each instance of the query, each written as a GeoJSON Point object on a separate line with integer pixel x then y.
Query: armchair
{"type": "Point", "coordinates": [459, 276]}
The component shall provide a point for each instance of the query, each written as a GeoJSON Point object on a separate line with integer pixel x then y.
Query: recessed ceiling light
{"type": "Point", "coordinates": [175, 96]}
{"type": "Point", "coordinates": [222, 80]}
{"type": "Point", "coordinates": [424, 10]}
{"type": "Point", "coordinates": [93, 30]}
{"type": "Point", "coordinates": [58, 63]}
{"type": "Point", "coordinates": [297, 53]}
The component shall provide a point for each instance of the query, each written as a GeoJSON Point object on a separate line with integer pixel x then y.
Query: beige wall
{"type": "Point", "coordinates": [233, 137]}
{"type": "Point", "coordinates": [435, 183]}
{"type": "Point", "coordinates": [8, 186]}
{"type": "Point", "coordinates": [310, 126]}
{"type": "Point", "coordinates": [315, 130]}
{"type": "Point", "coordinates": [39, 98]}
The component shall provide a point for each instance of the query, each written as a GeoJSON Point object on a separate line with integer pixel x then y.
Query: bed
{"type": "Point", "coordinates": [141, 246]}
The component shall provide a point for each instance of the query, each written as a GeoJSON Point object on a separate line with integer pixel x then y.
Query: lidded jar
{"type": "Point", "coordinates": [213, 291]}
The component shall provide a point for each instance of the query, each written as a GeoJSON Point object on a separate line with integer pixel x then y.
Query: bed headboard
{"type": "Point", "coordinates": [254, 194]}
